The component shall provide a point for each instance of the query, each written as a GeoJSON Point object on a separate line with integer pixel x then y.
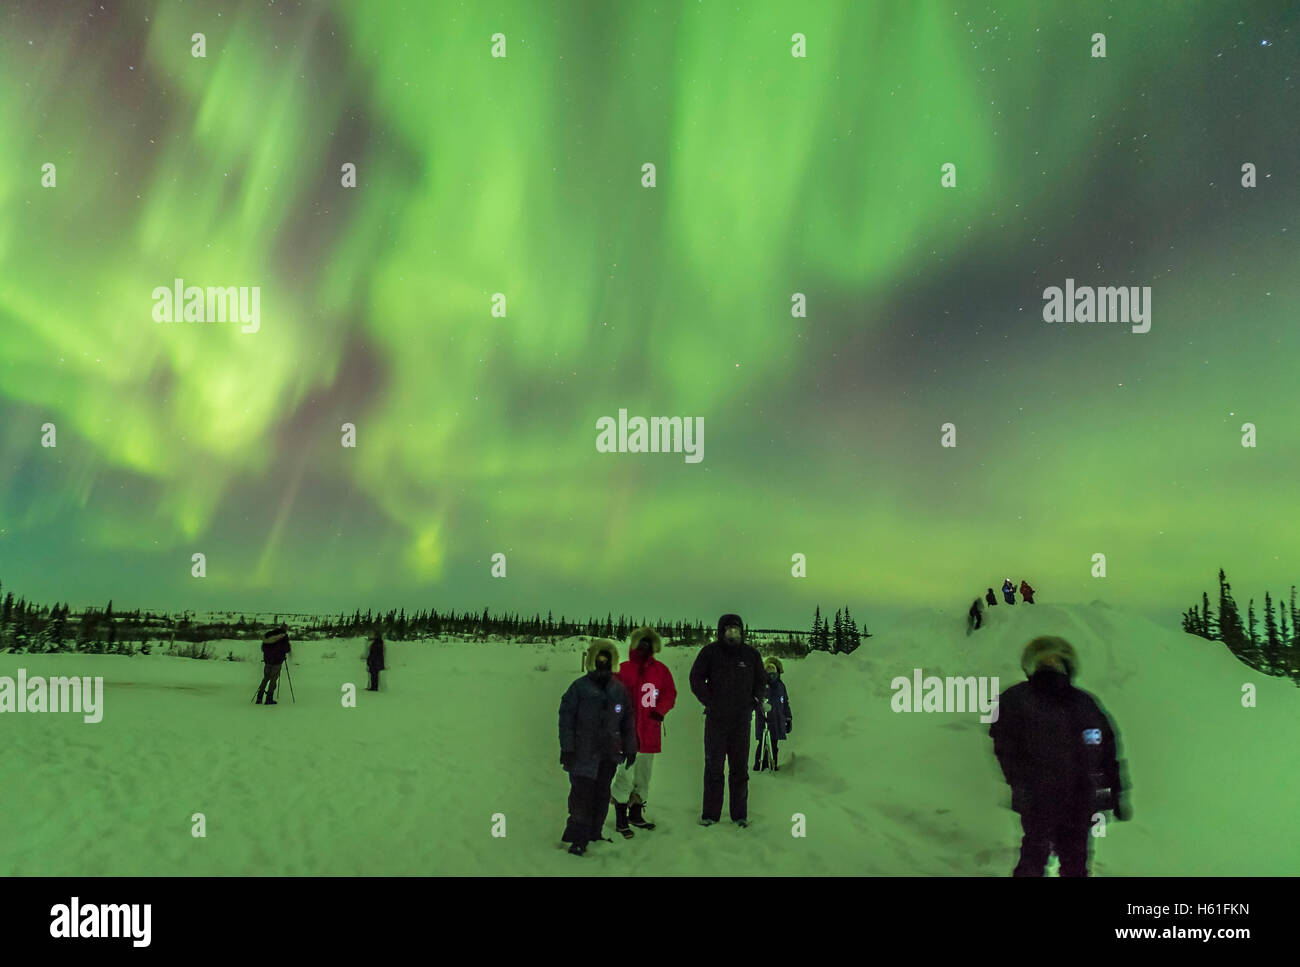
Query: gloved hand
{"type": "Point", "coordinates": [631, 757]}
{"type": "Point", "coordinates": [566, 760]}
{"type": "Point", "coordinates": [1120, 808]}
{"type": "Point", "coordinates": [789, 726]}
{"type": "Point", "coordinates": [767, 707]}
{"type": "Point", "coordinates": [654, 714]}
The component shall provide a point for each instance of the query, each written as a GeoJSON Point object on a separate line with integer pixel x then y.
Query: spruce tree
{"type": "Point", "coordinates": [1271, 640]}
{"type": "Point", "coordinates": [1208, 624]}
{"type": "Point", "coordinates": [838, 642]}
{"type": "Point", "coordinates": [851, 638]}
{"type": "Point", "coordinates": [1231, 632]}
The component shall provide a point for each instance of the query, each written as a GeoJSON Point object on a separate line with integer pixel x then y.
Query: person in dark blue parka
{"type": "Point", "coordinates": [1059, 752]}
{"type": "Point", "coordinates": [597, 732]}
{"type": "Point", "coordinates": [774, 717]}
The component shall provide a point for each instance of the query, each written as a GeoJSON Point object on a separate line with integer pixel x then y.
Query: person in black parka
{"type": "Point", "coordinates": [1059, 753]}
{"type": "Point", "coordinates": [991, 598]}
{"type": "Point", "coordinates": [728, 679]}
{"type": "Point", "coordinates": [597, 732]}
{"type": "Point", "coordinates": [275, 649]}
{"type": "Point", "coordinates": [975, 615]}
{"type": "Point", "coordinates": [774, 718]}
{"type": "Point", "coordinates": [375, 660]}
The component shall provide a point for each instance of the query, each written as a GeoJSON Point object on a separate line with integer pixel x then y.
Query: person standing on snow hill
{"type": "Point", "coordinates": [1059, 753]}
{"type": "Point", "coordinates": [375, 660]}
{"type": "Point", "coordinates": [650, 688]}
{"type": "Point", "coordinates": [991, 598]}
{"type": "Point", "coordinates": [275, 649]}
{"type": "Point", "coordinates": [1009, 591]}
{"type": "Point", "coordinates": [974, 614]}
{"type": "Point", "coordinates": [774, 717]}
{"type": "Point", "coordinates": [597, 730]}
{"type": "Point", "coordinates": [1026, 591]}
{"type": "Point", "coordinates": [728, 679]}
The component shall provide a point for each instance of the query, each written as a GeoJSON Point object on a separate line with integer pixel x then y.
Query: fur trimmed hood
{"type": "Point", "coordinates": [640, 635]}
{"type": "Point", "coordinates": [595, 648]}
{"type": "Point", "coordinates": [773, 664]}
{"type": "Point", "coordinates": [1049, 650]}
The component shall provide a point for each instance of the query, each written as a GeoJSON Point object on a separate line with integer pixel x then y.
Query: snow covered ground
{"type": "Point", "coordinates": [408, 782]}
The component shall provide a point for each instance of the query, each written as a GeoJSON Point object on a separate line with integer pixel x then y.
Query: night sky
{"type": "Point", "coordinates": [522, 175]}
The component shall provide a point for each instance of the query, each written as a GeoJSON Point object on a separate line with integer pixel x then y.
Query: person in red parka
{"type": "Point", "coordinates": [1026, 591]}
{"type": "Point", "coordinates": [650, 686]}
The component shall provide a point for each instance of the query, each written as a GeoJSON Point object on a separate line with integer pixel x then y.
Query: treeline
{"type": "Point", "coordinates": [1275, 651]}
{"type": "Point", "coordinates": [397, 625]}
{"type": "Point", "coordinates": [26, 627]}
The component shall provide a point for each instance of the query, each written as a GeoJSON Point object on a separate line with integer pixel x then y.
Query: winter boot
{"type": "Point", "coordinates": [620, 820]}
{"type": "Point", "coordinates": [270, 697]}
{"type": "Point", "coordinates": [578, 849]}
{"type": "Point", "coordinates": [637, 820]}
{"type": "Point", "coordinates": [260, 693]}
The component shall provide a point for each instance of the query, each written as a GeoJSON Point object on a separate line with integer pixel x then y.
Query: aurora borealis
{"type": "Point", "coordinates": [522, 176]}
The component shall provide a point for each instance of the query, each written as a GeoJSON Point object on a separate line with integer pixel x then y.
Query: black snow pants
{"type": "Point", "coordinates": [589, 804]}
{"type": "Point", "coordinates": [1067, 833]}
{"type": "Point", "coordinates": [726, 742]}
{"type": "Point", "coordinates": [374, 679]}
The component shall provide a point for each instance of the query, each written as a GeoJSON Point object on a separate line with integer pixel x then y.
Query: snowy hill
{"type": "Point", "coordinates": [409, 781]}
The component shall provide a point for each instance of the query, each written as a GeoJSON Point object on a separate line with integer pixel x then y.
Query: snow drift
{"type": "Point", "coordinates": [415, 778]}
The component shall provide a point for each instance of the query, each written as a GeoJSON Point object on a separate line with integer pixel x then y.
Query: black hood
{"type": "Point", "coordinates": [730, 619]}
{"type": "Point", "coordinates": [1050, 680]}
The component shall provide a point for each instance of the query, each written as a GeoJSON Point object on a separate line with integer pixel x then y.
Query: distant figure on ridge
{"type": "Point", "coordinates": [991, 598]}
{"type": "Point", "coordinates": [1026, 591]}
{"type": "Point", "coordinates": [1009, 591]}
{"type": "Point", "coordinates": [974, 616]}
